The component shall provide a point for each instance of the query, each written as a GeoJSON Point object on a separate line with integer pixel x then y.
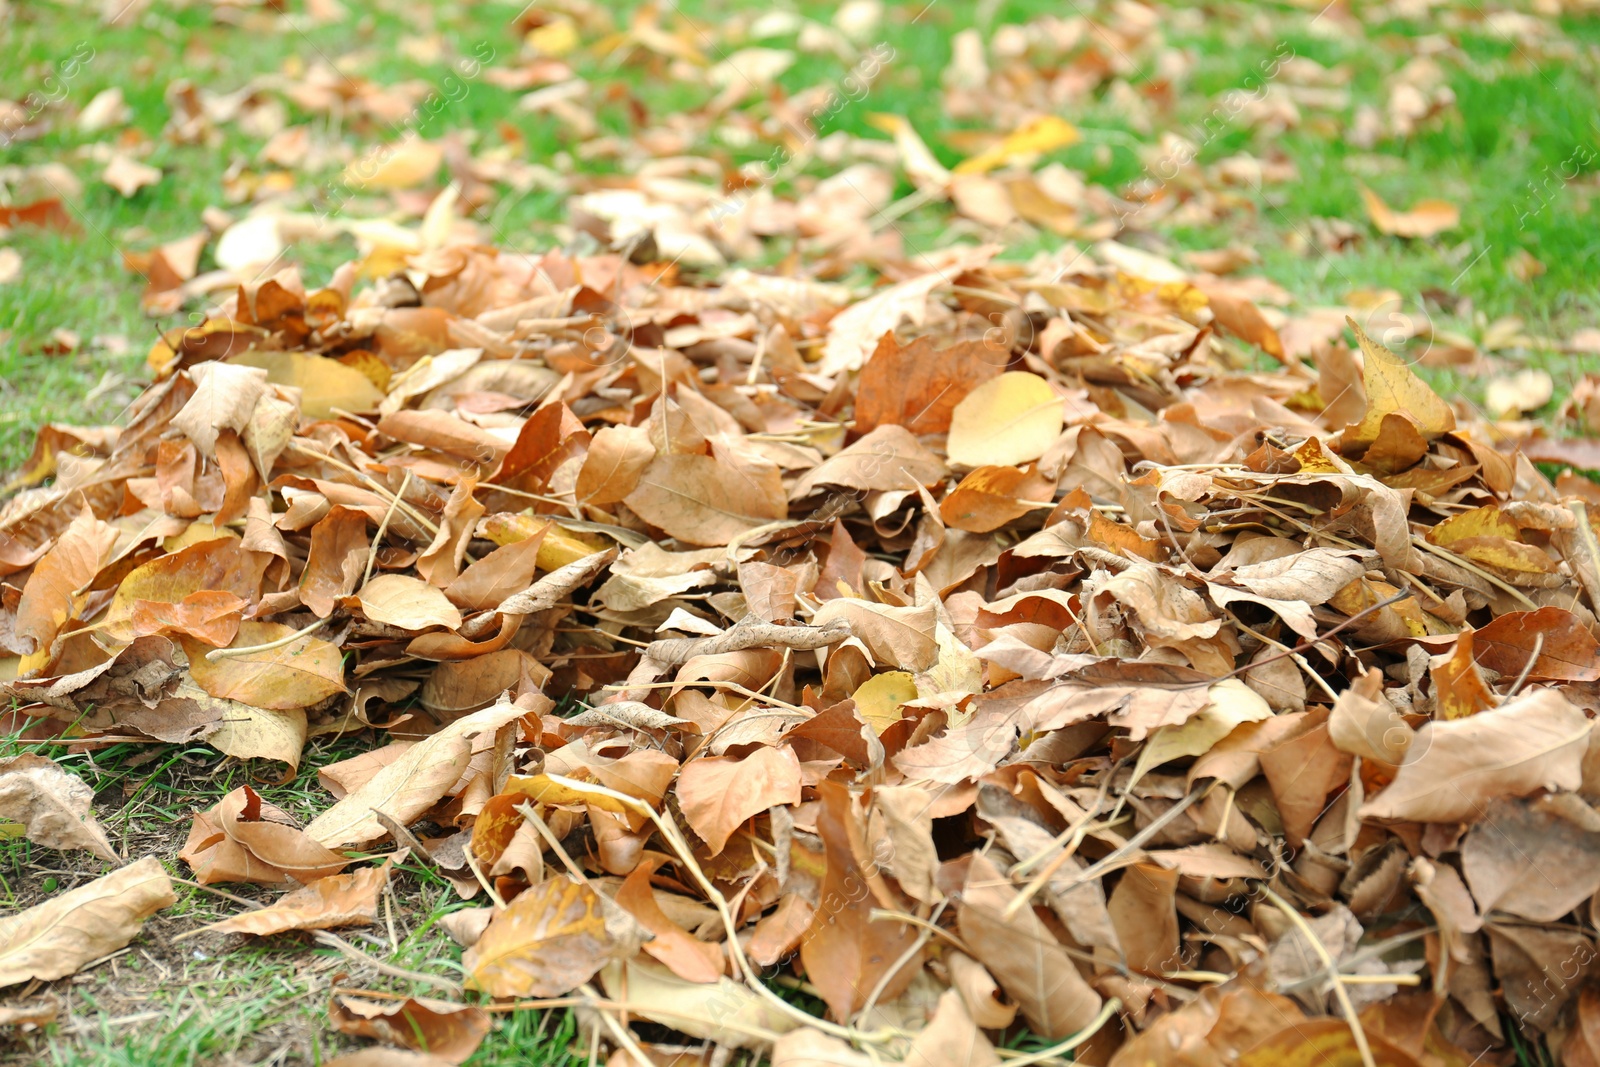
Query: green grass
{"type": "Point", "coordinates": [1522, 110]}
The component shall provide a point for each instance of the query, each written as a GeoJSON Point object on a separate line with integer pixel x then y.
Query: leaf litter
{"type": "Point", "coordinates": [995, 648]}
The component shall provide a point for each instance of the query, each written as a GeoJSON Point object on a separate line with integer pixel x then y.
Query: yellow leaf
{"type": "Point", "coordinates": [1041, 135]}
{"type": "Point", "coordinates": [1392, 388]}
{"type": "Point", "coordinates": [559, 547]}
{"type": "Point", "coordinates": [407, 602]}
{"type": "Point", "coordinates": [194, 533]}
{"type": "Point", "coordinates": [1006, 420]}
{"type": "Point", "coordinates": [878, 699]}
{"type": "Point", "coordinates": [542, 789]}
{"type": "Point", "coordinates": [1486, 521]}
{"type": "Point", "coordinates": [1321, 1043]}
{"type": "Point", "coordinates": [324, 384]}
{"type": "Point", "coordinates": [555, 38]}
{"type": "Point", "coordinates": [304, 672]}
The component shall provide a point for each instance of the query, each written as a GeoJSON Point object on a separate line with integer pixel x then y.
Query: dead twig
{"type": "Point", "coordinates": [1331, 971]}
{"type": "Point", "coordinates": [673, 651]}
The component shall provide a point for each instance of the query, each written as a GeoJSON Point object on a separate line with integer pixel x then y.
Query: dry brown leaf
{"type": "Point", "coordinates": [1027, 961]}
{"type": "Point", "coordinates": [56, 938]}
{"type": "Point", "coordinates": [888, 458]}
{"type": "Point", "coordinates": [52, 807]}
{"type": "Point", "coordinates": [224, 398]}
{"type": "Point", "coordinates": [896, 636]}
{"type": "Point", "coordinates": [918, 385]}
{"type": "Point", "coordinates": [684, 954]}
{"type": "Point", "coordinates": [407, 603]}
{"type": "Point", "coordinates": [617, 458]}
{"type": "Point", "coordinates": [718, 793]}
{"type": "Point", "coordinates": [127, 175]}
{"type": "Point", "coordinates": [1566, 651]}
{"type": "Point", "coordinates": [1425, 218]}
{"type": "Point", "coordinates": [412, 784]}
{"type": "Point", "coordinates": [1535, 859]}
{"type": "Point", "coordinates": [553, 938]}
{"type": "Point", "coordinates": [846, 954]}
{"type": "Point", "coordinates": [54, 592]}
{"type": "Point", "coordinates": [322, 904]}
{"type": "Point", "coordinates": [703, 502]}
{"type": "Point", "coordinates": [245, 839]}
{"type": "Point", "coordinates": [1454, 770]}
{"type": "Point", "coordinates": [447, 1032]}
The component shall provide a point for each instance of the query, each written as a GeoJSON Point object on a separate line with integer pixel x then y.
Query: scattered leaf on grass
{"type": "Point", "coordinates": [56, 938]}
{"type": "Point", "coordinates": [53, 808]}
{"type": "Point", "coordinates": [325, 903]}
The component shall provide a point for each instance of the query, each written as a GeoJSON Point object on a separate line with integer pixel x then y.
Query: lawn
{"type": "Point", "coordinates": [1244, 128]}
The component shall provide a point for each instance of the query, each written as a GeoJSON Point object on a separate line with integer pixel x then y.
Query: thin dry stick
{"type": "Point", "coordinates": [246, 650]}
{"type": "Point", "coordinates": [925, 924]}
{"type": "Point", "coordinates": [335, 941]}
{"type": "Point", "coordinates": [472, 865]}
{"type": "Point", "coordinates": [673, 651]}
{"type": "Point", "coordinates": [1299, 659]}
{"type": "Point", "coordinates": [622, 687]}
{"type": "Point", "coordinates": [925, 929]}
{"type": "Point", "coordinates": [618, 1031]}
{"type": "Point", "coordinates": [1109, 863]}
{"type": "Point", "coordinates": [1221, 831]}
{"type": "Point", "coordinates": [1527, 668]}
{"type": "Point", "coordinates": [378, 487]}
{"type": "Point", "coordinates": [1473, 568]}
{"type": "Point", "coordinates": [1107, 1010]}
{"type": "Point", "coordinates": [1304, 645]}
{"type": "Point", "coordinates": [1068, 850]}
{"type": "Point", "coordinates": [1072, 831]}
{"type": "Point", "coordinates": [383, 527]}
{"type": "Point", "coordinates": [533, 816]}
{"type": "Point", "coordinates": [1331, 968]}
{"type": "Point", "coordinates": [674, 837]}
{"type": "Point", "coordinates": [608, 1004]}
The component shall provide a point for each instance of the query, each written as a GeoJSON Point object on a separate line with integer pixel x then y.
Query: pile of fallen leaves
{"type": "Point", "coordinates": [989, 652]}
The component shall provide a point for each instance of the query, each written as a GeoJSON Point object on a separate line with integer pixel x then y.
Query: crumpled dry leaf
{"type": "Point", "coordinates": [846, 953]}
{"type": "Point", "coordinates": [1030, 965]}
{"type": "Point", "coordinates": [1453, 770]}
{"type": "Point", "coordinates": [53, 808]}
{"type": "Point", "coordinates": [245, 839]}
